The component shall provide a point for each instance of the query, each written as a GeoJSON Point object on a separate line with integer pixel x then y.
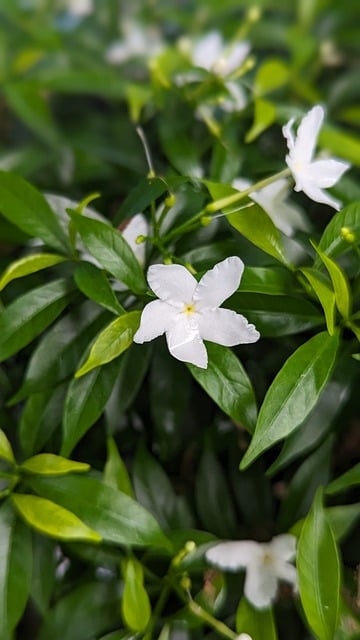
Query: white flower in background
{"type": "Point", "coordinates": [188, 311]}
{"type": "Point", "coordinates": [138, 226]}
{"type": "Point", "coordinates": [265, 564]}
{"type": "Point", "coordinates": [273, 199]}
{"type": "Point", "coordinates": [312, 176]}
{"type": "Point", "coordinates": [80, 8]}
{"type": "Point", "coordinates": [211, 54]}
{"type": "Point", "coordinates": [136, 41]}
{"type": "Point", "coordinates": [244, 636]}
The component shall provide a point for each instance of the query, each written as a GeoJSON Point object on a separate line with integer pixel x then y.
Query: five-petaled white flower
{"type": "Point", "coordinates": [312, 176]}
{"type": "Point", "coordinates": [265, 564]}
{"type": "Point", "coordinates": [188, 311]}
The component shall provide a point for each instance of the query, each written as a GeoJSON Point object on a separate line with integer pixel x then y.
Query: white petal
{"type": "Point", "coordinates": [237, 55]}
{"type": "Point", "coordinates": [284, 546]}
{"type": "Point", "coordinates": [207, 50]}
{"type": "Point", "coordinates": [260, 585]}
{"type": "Point", "coordinates": [185, 344]}
{"type": "Point", "coordinates": [316, 194]}
{"type": "Point", "coordinates": [307, 134]}
{"type": "Point", "coordinates": [156, 318]}
{"type": "Point", "coordinates": [172, 283]}
{"type": "Point", "coordinates": [289, 134]}
{"type": "Point", "coordinates": [287, 572]}
{"type": "Point", "coordinates": [226, 327]}
{"type": "Point", "coordinates": [219, 283]}
{"type": "Point", "coordinates": [326, 173]}
{"type": "Point", "coordinates": [137, 226]}
{"type": "Point", "coordinates": [234, 555]}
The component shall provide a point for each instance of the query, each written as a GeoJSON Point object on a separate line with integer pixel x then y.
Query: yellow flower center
{"type": "Point", "coordinates": [189, 309]}
{"type": "Point", "coordinates": [267, 559]}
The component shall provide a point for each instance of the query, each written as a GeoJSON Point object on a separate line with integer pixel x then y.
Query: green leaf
{"type": "Point", "coordinates": [53, 465]}
{"type": "Point", "coordinates": [319, 572]}
{"type": "Point", "coordinates": [227, 383]}
{"type": "Point", "coordinates": [57, 355]}
{"type": "Point", "coordinates": [27, 265]}
{"type": "Point", "coordinates": [341, 143]}
{"type": "Point", "coordinates": [85, 401]}
{"type": "Point", "coordinates": [51, 519]}
{"type": "Point", "coordinates": [6, 452]}
{"type": "Point", "coordinates": [341, 519]}
{"type": "Point", "coordinates": [293, 393]}
{"type": "Point", "coordinates": [111, 250]}
{"type": "Point", "coordinates": [264, 116]}
{"type": "Point", "coordinates": [27, 209]}
{"type": "Point", "coordinates": [116, 517]}
{"type": "Point", "coordinates": [273, 281]}
{"type": "Point", "coordinates": [111, 342]}
{"type": "Point", "coordinates": [271, 75]}
{"type": "Point", "coordinates": [257, 227]}
{"type": "Point", "coordinates": [32, 107]}
{"type": "Point", "coordinates": [258, 623]}
{"type": "Point", "coordinates": [340, 283]}
{"type": "Point", "coordinates": [40, 418]}
{"type": "Point", "coordinates": [20, 570]}
{"type": "Point", "coordinates": [153, 488]}
{"type": "Point", "coordinates": [332, 241]}
{"type": "Point", "coordinates": [325, 294]}
{"type": "Point", "coordinates": [350, 478]}
{"type": "Point", "coordinates": [146, 192]}
{"type": "Point", "coordinates": [30, 314]}
{"type": "Point", "coordinates": [115, 471]}
{"type": "Point", "coordinates": [276, 316]}
{"type": "Point", "coordinates": [6, 528]}
{"type": "Point", "coordinates": [135, 603]}
{"type": "Point", "coordinates": [94, 284]}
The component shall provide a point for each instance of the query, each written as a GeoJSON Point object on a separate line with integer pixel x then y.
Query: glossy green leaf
{"type": "Point", "coordinates": [44, 569]}
{"type": "Point", "coordinates": [135, 603]}
{"type": "Point", "coordinates": [333, 242]}
{"type": "Point", "coordinates": [340, 283]}
{"type": "Point", "coordinates": [273, 281]}
{"type": "Point", "coordinates": [94, 284]}
{"type": "Point", "coordinates": [20, 570]}
{"type": "Point", "coordinates": [27, 265]}
{"type": "Point", "coordinates": [146, 192]}
{"type": "Point", "coordinates": [325, 294]}
{"type": "Point", "coordinates": [27, 209]}
{"type": "Point", "coordinates": [153, 488]}
{"type": "Point", "coordinates": [111, 250]}
{"type": "Point", "coordinates": [55, 358]}
{"type": "Point", "coordinates": [115, 471]}
{"type": "Point", "coordinates": [40, 418]}
{"type": "Point", "coordinates": [52, 465]}
{"type": "Point", "coordinates": [341, 519]}
{"type": "Point", "coordinates": [276, 316]}
{"type": "Point", "coordinates": [293, 393]}
{"type": "Point", "coordinates": [111, 342]}
{"type": "Point", "coordinates": [30, 314]}
{"type": "Point", "coordinates": [85, 401]}
{"type": "Point", "coordinates": [6, 452]}
{"type": "Point", "coordinates": [319, 572]}
{"type": "Point", "coordinates": [258, 623]}
{"type": "Point", "coordinates": [51, 519]}
{"type": "Point", "coordinates": [272, 74]}
{"type": "Point", "coordinates": [349, 479]}
{"type": "Point", "coordinates": [115, 516]}
{"type": "Point", "coordinates": [257, 227]}
{"type": "Point", "coordinates": [227, 383]}
{"type": "Point", "coordinates": [264, 116]}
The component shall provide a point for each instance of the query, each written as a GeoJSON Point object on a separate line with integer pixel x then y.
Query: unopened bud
{"type": "Point", "coordinates": [190, 546]}
{"type": "Point", "coordinates": [170, 201]}
{"type": "Point", "coordinates": [167, 260]}
{"type": "Point", "coordinates": [205, 220]}
{"type": "Point", "coordinates": [140, 239]}
{"type": "Point", "coordinates": [185, 582]}
{"type": "Point", "coordinates": [254, 14]}
{"type": "Point", "coordinates": [347, 235]}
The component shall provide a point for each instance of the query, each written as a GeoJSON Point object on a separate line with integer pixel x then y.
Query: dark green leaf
{"type": "Point", "coordinates": [30, 314]}
{"type": "Point", "coordinates": [115, 471]}
{"type": "Point", "coordinates": [293, 393]}
{"type": "Point", "coordinates": [273, 281]}
{"type": "Point", "coordinates": [333, 242]}
{"type": "Point", "coordinates": [350, 478]}
{"type": "Point", "coordinates": [40, 418]}
{"type": "Point", "coordinates": [227, 383]}
{"type": "Point", "coordinates": [94, 284]}
{"type": "Point", "coordinates": [138, 200]}
{"type": "Point", "coordinates": [153, 488]}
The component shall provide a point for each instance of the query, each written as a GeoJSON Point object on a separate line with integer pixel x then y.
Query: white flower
{"type": "Point", "coordinates": [272, 199]}
{"type": "Point", "coordinates": [312, 176]}
{"type": "Point", "coordinates": [138, 226]}
{"type": "Point", "coordinates": [136, 41]}
{"type": "Point", "coordinates": [211, 54]}
{"type": "Point", "coordinates": [265, 564]}
{"type": "Point", "coordinates": [188, 311]}
{"type": "Point", "coordinates": [81, 8]}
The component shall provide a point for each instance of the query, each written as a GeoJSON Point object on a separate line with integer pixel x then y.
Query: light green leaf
{"type": "Point", "coordinates": [111, 250]}
{"type": "Point", "coordinates": [6, 452]}
{"type": "Point", "coordinates": [111, 342]}
{"type": "Point", "coordinates": [258, 623]}
{"type": "Point", "coordinates": [51, 519]}
{"type": "Point", "coordinates": [135, 603]}
{"type": "Point", "coordinates": [350, 478]}
{"type": "Point", "coordinates": [94, 284]}
{"type": "Point", "coordinates": [341, 143]}
{"type": "Point", "coordinates": [226, 382]}
{"type": "Point", "coordinates": [52, 465]}
{"type": "Point", "coordinates": [325, 294]}
{"type": "Point", "coordinates": [319, 572]}
{"type": "Point", "coordinates": [27, 265]}
{"type": "Point", "coordinates": [340, 283]}
{"type": "Point", "coordinates": [115, 471]}
{"type": "Point", "coordinates": [271, 75]}
{"type": "Point", "coordinates": [264, 116]}
{"type": "Point", "coordinates": [333, 242]}
{"type": "Point", "coordinates": [293, 393]}
{"type": "Point", "coordinates": [27, 209]}
{"type": "Point", "coordinates": [257, 227]}
{"type": "Point", "coordinates": [30, 314]}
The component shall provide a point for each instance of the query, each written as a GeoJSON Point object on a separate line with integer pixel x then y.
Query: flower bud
{"type": "Point", "coordinates": [347, 235]}
{"type": "Point", "coordinates": [170, 200]}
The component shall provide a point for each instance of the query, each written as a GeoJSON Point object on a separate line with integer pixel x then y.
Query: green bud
{"type": "Point", "coordinates": [347, 235]}
{"type": "Point", "coordinates": [205, 220]}
{"type": "Point", "coordinates": [140, 239]}
{"type": "Point", "coordinates": [170, 201]}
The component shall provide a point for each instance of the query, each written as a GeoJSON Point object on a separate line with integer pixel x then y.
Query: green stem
{"type": "Point", "coordinates": [164, 594]}
{"type": "Point", "coordinates": [236, 197]}
{"type": "Point", "coordinates": [206, 617]}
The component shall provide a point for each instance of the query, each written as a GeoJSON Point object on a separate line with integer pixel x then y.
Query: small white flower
{"type": "Point", "coordinates": [265, 564]}
{"type": "Point", "coordinates": [188, 311]}
{"type": "Point", "coordinates": [272, 199]}
{"type": "Point", "coordinates": [138, 226]}
{"type": "Point", "coordinates": [312, 176]}
{"type": "Point", "coordinates": [81, 8]}
{"type": "Point", "coordinates": [211, 54]}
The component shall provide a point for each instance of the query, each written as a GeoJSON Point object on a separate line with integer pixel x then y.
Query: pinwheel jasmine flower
{"type": "Point", "coordinates": [265, 564]}
{"type": "Point", "coordinates": [211, 54]}
{"type": "Point", "coordinates": [312, 176]}
{"type": "Point", "coordinates": [188, 311]}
